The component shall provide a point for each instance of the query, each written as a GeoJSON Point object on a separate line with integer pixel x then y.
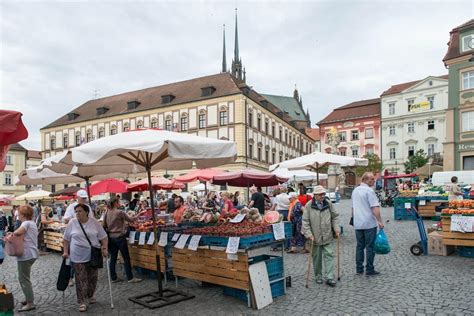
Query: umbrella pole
{"type": "Point", "coordinates": [205, 187]}
{"type": "Point", "coordinates": [317, 173]}
{"type": "Point", "coordinates": [89, 192]}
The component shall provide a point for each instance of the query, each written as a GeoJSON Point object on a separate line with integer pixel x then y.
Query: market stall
{"type": "Point", "coordinates": [426, 200]}
{"type": "Point", "coordinates": [53, 236]}
{"type": "Point", "coordinates": [458, 226]}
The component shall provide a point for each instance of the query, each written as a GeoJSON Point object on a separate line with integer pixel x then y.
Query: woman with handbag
{"type": "Point", "coordinates": [29, 233]}
{"type": "Point", "coordinates": [85, 242]}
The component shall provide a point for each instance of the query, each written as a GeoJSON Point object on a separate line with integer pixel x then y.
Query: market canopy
{"type": "Point", "coordinates": [427, 170]}
{"type": "Point", "coordinates": [248, 177]}
{"type": "Point", "coordinates": [110, 185]}
{"type": "Point", "coordinates": [298, 175]}
{"type": "Point", "coordinates": [12, 130]}
{"type": "Point", "coordinates": [203, 175]}
{"type": "Point", "coordinates": [34, 195]}
{"type": "Point", "coordinates": [204, 187]}
{"type": "Point", "coordinates": [69, 191]}
{"type": "Point", "coordinates": [159, 183]}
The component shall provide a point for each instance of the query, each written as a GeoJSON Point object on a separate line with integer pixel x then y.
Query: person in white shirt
{"type": "Point", "coordinates": [366, 218]}
{"type": "Point", "coordinates": [82, 198]}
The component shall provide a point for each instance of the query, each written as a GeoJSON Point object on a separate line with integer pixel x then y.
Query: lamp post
{"type": "Point", "coordinates": [430, 162]}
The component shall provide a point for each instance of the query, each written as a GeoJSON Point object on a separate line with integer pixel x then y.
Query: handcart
{"type": "Point", "coordinates": [421, 247]}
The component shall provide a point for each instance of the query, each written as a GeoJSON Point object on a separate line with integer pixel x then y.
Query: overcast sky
{"type": "Point", "coordinates": [54, 55]}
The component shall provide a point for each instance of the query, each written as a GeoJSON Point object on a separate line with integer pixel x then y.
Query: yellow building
{"type": "Point", "coordinates": [15, 163]}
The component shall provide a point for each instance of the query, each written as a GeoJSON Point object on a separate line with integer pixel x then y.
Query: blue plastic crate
{"type": "Point", "coordinates": [237, 293]}
{"type": "Point", "coordinates": [400, 213]}
{"type": "Point", "coordinates": [278, 288]}
{"type": "Point", "coordinates": [274, 265]}
{"type": "Point", "coordinates": [400, 201]}
{"type": "Point", "coordinates": [288, 230]}
{"type": "Point", "coordinates": [467, 252]}
{"type": "Point", "coordinates": [245, 242]}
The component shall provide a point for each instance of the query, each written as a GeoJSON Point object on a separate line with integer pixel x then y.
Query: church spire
{"type": "Point", "coordinates": [237, 69]}
{"type": "Point", "coordinates": [224, 59]}
{"type": "Point", "coordinates": [296, 94]}
{"type": "Point", "coordinates": [236, 44]}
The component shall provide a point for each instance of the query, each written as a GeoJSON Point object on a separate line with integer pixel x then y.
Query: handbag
{"type": "Point", "coordinates": [63, 277]}
{"type": "Point", "coordinates": [96, 262]}
{"type": "Point", "coordinates": [14, 246]}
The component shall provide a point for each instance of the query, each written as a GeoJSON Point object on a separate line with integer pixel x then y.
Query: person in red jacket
{"type": "Point", "coordinates": [302, 196]}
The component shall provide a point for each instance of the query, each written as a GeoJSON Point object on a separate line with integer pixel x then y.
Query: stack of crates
{"type": "Point", "coordinates": [400, 211]}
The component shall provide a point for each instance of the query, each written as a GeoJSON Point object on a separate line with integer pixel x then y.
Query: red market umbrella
{"type": "Point", "coordinates": [158, 183]}
{"type": "Point", "coordinates": [108, 186]}
{"type": "Point", "coordinates": [63, 197]}
{"type": "Point", "coordinates": [12, 131]}
{"type": "Point", "coordinates": [248, 177]}
{"type": "Point", "coordinates": [203, 175]}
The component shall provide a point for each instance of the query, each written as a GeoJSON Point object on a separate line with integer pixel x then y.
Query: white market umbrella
{"type": "Point", "coordinates": [34, 195]}
{"type": "Point", "coordinates": [146, 150]}
{"type": "Point", "coordinates": [298, 175]}
{"type": "Point", "coordinates": [202, 187]}
{"type": "Point", "coordinates": [32, 176]}
{"type": "Point", "coordinates": [317, 160]}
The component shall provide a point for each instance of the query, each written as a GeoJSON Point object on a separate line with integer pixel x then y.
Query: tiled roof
{"type": "Point", "coordinates": [453, 44]}
{"type": "Point", "coordinates": [403, 86]}
{"type": "Point", "coordinates": [354, 110]}
{"type": "Point", "coordinates": [34, 154]}
{"type": "Point", "coordinates": [17, 147]}
{"type": "Point", "coordinates": [289, 105]}
{"type": "Point", "coordinates": [313, 133]}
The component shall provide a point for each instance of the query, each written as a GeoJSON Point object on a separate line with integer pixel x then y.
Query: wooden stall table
{"type": "Point", "coordinates": [53, 239]}
{"type": "Point", "coordinates": [455, 238]}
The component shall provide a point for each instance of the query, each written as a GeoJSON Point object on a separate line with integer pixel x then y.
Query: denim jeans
{"type": "Point", "coordinates": [365, 241]}
{"type": "Point", "coordinates": [116, 245]}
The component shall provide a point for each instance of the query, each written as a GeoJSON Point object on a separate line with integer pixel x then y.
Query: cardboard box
{"type": "Point", "coordinates": [6, 300]}
{"type": "Point", "coordinates": [436, 247]}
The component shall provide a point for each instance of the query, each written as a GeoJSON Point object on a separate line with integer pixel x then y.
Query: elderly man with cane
{"type": "Point", "coordinates": [320, 225]}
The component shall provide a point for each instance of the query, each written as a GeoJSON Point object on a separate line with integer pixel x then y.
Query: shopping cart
{"type": "Point", "coordinates": [421, 247]}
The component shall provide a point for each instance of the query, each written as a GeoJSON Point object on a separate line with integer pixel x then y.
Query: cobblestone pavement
{"type": "Point", "coordinates": [408, 285]}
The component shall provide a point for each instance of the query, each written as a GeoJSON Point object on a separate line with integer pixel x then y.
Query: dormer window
{"type": "Point", "coordinates": [264, 103]}
{"type": "Point", "coordinates": [102, 110]}
{"type": "Point", "coordinates": [207, 91]}
{"type": "Point", "coordinates": [467, 43]}
{"type": "Point", "coordinates": [132, 105]}
{"type": "Point", "coordinates": [167, 98]}
{"type": "Point", "coordinates": [72, 116]}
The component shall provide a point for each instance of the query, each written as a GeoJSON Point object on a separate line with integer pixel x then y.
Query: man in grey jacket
{"type": "Point", "coordinates": [320, 225]}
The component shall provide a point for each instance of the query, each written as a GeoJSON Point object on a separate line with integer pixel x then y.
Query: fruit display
{"type": "Point", "coordinates": [272, 217]}
{"type": "Point", "coordinates": [55, 226]}
{"type": "Point", "coordinates": [408, 193]}
{"type": "Point", "coordinates": [252, 215]}
{"type": "Point", "coordinates": [464, 207]}
{"type": "Point", "coordinates": [245, 228]}
{"type": "Point", "coordinates": [450, 211]}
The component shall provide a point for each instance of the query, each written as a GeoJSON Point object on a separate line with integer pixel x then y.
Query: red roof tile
{"type": "Point", "coordinates": [358, 109]}
{"type": "Point", "coordinates": [34, 154]}
{"type": "Point", "coordinates": [403, 86]}
{"type": "Point", "coordinates": [453, 44]}
{"type": "Point", "coordinates": [313, 133]}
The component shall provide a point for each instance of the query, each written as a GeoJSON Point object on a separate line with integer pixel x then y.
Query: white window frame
{"type": "Point", "coordinates": [411, 127]}
{"type": "Point", "coordinates": [430, 100]}
{"type": "Point", "coordinates": [342, 136]}
{"type": "Point", "coordinates": [391, 108]}
{"type": "Point", "coordinates": [8, 160]}
{"type": "Point", "coordinates": [370, 151]}
{"type": "Point", "coordinates": [354, 132]}
{"type": "Point", "coordinates": [469, 127]}
{"type": "Point", "coordinates": [433, 123]}
{"type": "Point", "coordinates": [372, 133]}
{"type": "Point", "coordinates": [433, 147]}
{"type": "Point", "coordinates": [393, 153]}
{"type": "Point", "coordinates": [468, 80]}
{"type": "Point", "coordinates": [7, 179]}
{"type": "Point", "coordinates": [411, 148]}
{"type": "Point", "coordinates": [391, 129]}
{"type": "Point", "coordinates": [355, 152]}
{"type": "Point", "coordinates": [464, 44]}
{"type": "Point", "coordinates": [410, 102]}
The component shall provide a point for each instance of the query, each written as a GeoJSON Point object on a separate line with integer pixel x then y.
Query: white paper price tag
{"type": "Point", "coordinates": [182, 241]}
{"type": "Point", "coordinates": [233, 245]}
{"type": "Point", "coordinates": [408, 205]}
{"type": "Point", "coordinates": [194, 242]}
{"type": "Point", "coordinates": [175, 237]}
{"type": "Point", "coordinates": [233, 257]}
{"type": "Point", "coordinates": [463, 224]}
{"type": "Point", "coordinates": [163, 239]}
{"type": "Point", "coordinates": [141, 238]}
{"type": "Point", "coordinates": [151, 239]}
{"type": "Point", "coordinates": [279, 231]}
{"type": "Point", "coordinates": [131, 237]}
{"type": "Point", "coordinates": [238, 218]}
{"type": "Point", "coordinates": [422, 202]}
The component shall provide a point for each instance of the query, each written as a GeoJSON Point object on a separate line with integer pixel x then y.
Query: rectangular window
{"type": "Point", "coordinates": [202, 121]}
{"type": "Point", "coordinates": [468, 163]}
{"type": "Point", "coordinates": [286, 137]}
{"type": "Point", "coordinates": [267, 156]}
{"type": "Point", "coordinates": [101, 133]}
{"type": "Point", "coordinates": [342, 152]}
{"type": "Point", "coordinates": [369, 151]}
{"type": "Point", "coordinates": [411, 127]}
{"type": "Point", "coordinates": [154, 124]}
{"type": "Point", "coordinates": [250, 151]}
{"type": "Point", "coordinates": [113, 131]}
{"type": "Point", "coordinates": [7, 178]}
{"type": "Point", "coordinates": [52, 143]}
{"type": "Point", "coordinates": [355, 152]}
{"type": "Point", "coordinates": [281, 157]}
{"type": "Point", "coordinates": [369, 133]}
{"type": "Point", "coordinates": [391, 129]}
{"type": "Point", "coordinates": [184, 123]}
{"type": "Point", "coordinates": [467, 42]}
{"type": "Point", "coordinates": [266, 127]}
{"type": "Point", "coordinates": [410, 103]}
{"type": "Point", "coordinates": [431, 149]}
{"type": "Point", "coordinates": [168, 125]}
{"type": "Point", "coordinates": [88, 137]}
{"type": "Point", "coordinates": [411, 151]}
{"type": "Point", "coordinates": [273, 130]}
{"type": "Point", "coordinates": [273, 157]}
{"type": "Point", "coordinates": [430, 100]}
{"type": "Point", "coordinates": [391, 108]}
{"type": "Point", "coordinates": [431, 125]}
{"type": "Point", "coordinates": [9, 160]}
{"type": "Point", "coordinates": [65, 141]}
{"type": "Point", "coordinates": [250, 119]}
{"type": "Point", "coordinates": [223, 118]}
{"type": "Point", "coordinates": [259, 123]}
{"type": "Point", "coordinates": [393, 153]}
{"type": "Point", "coordinates": [468, 121]}
{"type": "Point", "coordinates": [468, 80]}
{"type": "Point", "coordinates": [342, 136]}
{"type": "Point", "coordinates": [355, 135]}
{"type": "Point", "coordinates": [280, 134]}
{"type": "Point", "coordinates": [77, 140]}
{"type": "Point", "coordinates": [259, 154]}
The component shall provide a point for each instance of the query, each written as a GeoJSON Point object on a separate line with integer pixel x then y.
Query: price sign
{"type": "Point", "coordinates": [422, 202]}
{"type": "Point", "coordinates": [175, 237]}
{"type": "Point", "coordinates": [163, 239]}
{"type": "Point", "coordinates": [151, 239]}
{"type": "Point", "coordinates": [279, 231]}
{"type": "Point", "coordinates": [238, 218]}
{"type": "Point", "coordinates": [463, 224]}
{"type": "Point", "coordinates": [141, 238]}
{"type": "Point", "coordinates": [233, 245]}
{"type": "Point", "coordinates": [182, 241]}
{"type": "Point", "coordinates": [131, 237]}
{"type": "Point", "coordinates": [408, 205]}
{"type": "Point", "coordinates": [232, 256]}
{"type": "Point", "coordinates": [194, 242]}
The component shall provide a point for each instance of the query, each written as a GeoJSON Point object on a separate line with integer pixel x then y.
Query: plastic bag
{"type": "Point", "coordinates": [64, 276]}
{"type": "Point", "coordinates": [382, 247]}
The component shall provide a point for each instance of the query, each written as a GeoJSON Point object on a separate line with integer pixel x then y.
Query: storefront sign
{"type": "Point", "coordinates": [422, 106]}
{"type": "Point", "coordinates": [466, 146]}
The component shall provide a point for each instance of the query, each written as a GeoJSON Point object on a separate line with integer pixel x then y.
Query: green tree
{"type": "Point", "coordinates": [375, 165]}
{"type": "Point", "coordinates": [419, 159]}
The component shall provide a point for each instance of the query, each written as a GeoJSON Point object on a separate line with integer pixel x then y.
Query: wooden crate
{"type": "Point", "coordinates": [428, 210]}
{"type": "Point", "coordinates": [144, 256]}
{"type": "Point", "coordinates": [212, 266]}
{"type": "Point", "coordinates": [436, 246]}
{"type": "Point", "coordinates": [53, 240]}
{"type": "Point", "coordinates": [455, 238]}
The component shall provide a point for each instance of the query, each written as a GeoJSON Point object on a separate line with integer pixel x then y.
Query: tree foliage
{"type": "Point", "coordinates": [419, 159]}
{"type": "Point", "coordinates": [375, 165]}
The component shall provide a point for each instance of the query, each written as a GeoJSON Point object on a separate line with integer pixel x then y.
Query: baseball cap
{"type": "Point", "coordinates": [82, 194]}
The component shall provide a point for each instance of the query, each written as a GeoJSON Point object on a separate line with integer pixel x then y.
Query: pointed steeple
{"type": "Point", "coordinates": [224, 59]}
{"type": "Point", "coordinates": [236, 44]}
{"type": "Point", "coordinates": [237, 69]}
{"type": "Point", "coordinates": [296, 94]}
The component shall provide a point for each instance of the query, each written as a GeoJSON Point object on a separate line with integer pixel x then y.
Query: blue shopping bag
{"type": "Point", "coordinates": [382, 246]}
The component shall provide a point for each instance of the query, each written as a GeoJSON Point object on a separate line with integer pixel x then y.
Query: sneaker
{"type": "Point", "coordinates": [319, 280]}
{"type": "Point", "coordinates": [135, 280]}
{"type": "Point", "coordinates": [82, 308]}
{"type": "Point", "coordinates": [92, 300]}
{"type": "Point", "coordinates": [373, 273]}
{"type": "Point", "coordinates": [27, 307]}
{"type": "Point", "coordinates": [331, 282]}
{"type": "Point", "coordinates": [117, 280]}
{"type": "Point", "coordinates": [71, 282]}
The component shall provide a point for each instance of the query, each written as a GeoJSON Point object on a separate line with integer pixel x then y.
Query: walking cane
{"type": "Point", "coordinates": [338, 258]}
{"type": "Point", "coordinates": [110, 285]}
{"type": "Point", "coordinates": [309, 264]}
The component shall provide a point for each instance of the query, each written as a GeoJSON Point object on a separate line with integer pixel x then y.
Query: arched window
{"type": "Point", "coordinates": [168, 123]}
{"type": "Point", "coordinates": [126, 127]}
{"type": "Point", "coordinates": [140, 124]}
{"type": "Point", "coordinates": [101, 132]}
{"type": "Point", "coordinates": [113, 130]}
{"type": "Point", "coordinates": [52, 142]}
{"type": "Point", "coordinates": [77, 139]}
{"type": "Point", "coordinates": [202, 119]}
{"type": "Point", "coordinates": [154, 123]}
{"type": "Point", "coordinates": [223, 116]}
{"type": "Point", "coordinates": [89, 136]}
{"type": "Point", "coordinates": [184, 123]}
{"type": "Point", "coordinates": [65, 140]}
